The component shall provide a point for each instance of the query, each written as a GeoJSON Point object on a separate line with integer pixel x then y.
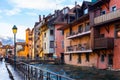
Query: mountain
{"type": "Point", "coordinates": [9, 40]}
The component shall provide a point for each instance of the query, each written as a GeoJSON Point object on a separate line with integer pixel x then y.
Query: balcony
{"type": "Point", "coordinates": [80, 48]}
{"type": "Point", "coordinates": [112, 16]}
{"type": "Point", "coordinates": [104, 43]}
{"type": "Point", "coordinates": [80, 33]}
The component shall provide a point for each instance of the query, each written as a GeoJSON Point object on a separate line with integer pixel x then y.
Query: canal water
{"type": "Point", "coordinates": [81, 73]}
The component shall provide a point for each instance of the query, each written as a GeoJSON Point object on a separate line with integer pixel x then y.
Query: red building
{"type": "Point", "coordinates": [105, 20]}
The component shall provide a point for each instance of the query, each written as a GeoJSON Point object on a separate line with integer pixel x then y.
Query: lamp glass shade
{"type": "Point", "coordinates": [14, 29]}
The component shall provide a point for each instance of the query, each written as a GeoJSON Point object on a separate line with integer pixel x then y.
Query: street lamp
{"type": "Point", "coordinates": [14, 29]}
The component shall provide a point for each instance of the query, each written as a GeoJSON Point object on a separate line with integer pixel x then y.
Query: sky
{"type": "Point", "coordinates": [24, 13]}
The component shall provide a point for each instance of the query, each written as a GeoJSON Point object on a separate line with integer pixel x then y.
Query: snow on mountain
{"type": "Point", "coordinates": [9, 40]}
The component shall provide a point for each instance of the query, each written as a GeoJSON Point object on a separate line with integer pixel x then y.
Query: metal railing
{"type": "Point", "coordinates": [79, 33]}
{"type": "Point", "coordinates": [31, 72]}
{"type": "Point", "coordinates": [79, 48]}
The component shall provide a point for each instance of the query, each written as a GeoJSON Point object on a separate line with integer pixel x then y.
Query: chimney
{"type": "Point", "coordinates": [39, 18]}
{"type": "Point", "coordinates": [76, 11]}
{"type": "Point", "coordinates": [43, 16]}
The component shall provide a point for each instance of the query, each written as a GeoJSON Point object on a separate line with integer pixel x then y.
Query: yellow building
{"type": "Point", "coordinates": [28, 46]}
{"type": "Point", "coordinates": [20, 48]}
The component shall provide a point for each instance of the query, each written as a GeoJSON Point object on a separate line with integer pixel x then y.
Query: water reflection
{"type": "Point", "coordinates": [81, 73]}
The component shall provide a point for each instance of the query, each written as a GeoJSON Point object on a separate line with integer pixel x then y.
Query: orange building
{"type": "Point", "coordinates": [78, 37]}
{"type": "Point", "coordinates": [28, 46]}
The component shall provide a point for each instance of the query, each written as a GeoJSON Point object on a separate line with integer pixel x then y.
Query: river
{"type": "Point", "coordinates": [81, 73]}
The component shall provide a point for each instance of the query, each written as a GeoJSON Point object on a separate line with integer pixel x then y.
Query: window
{"type": "Point", "coordinates": [51, 32]}
{"type": "Point", "coordinates": [37, 46]}
{"type": "Point", "coordinates": [51, 44]}
{"type": "Point", "coordinates": [102, 58]}
{"type": "Point", "coordinates": [62, 32]}
{"type": "Point", "coordinates": [86, 11]}
{"type": "Point", "coordinates": [44, 34]}
{"type": "Point", "coordinates": [70, 30]}
{"type": "Point", "coordinates": [87, 27]}
{"type": "Point", "coordinates": [70, 57]}
{"type": "Point", "coordinates": [117, 31]}
{"type": "Point", "coordinates": [103, 12]}
{"type": "Point", "coordinates": [80, 29]}
{"type": "Point", "coordinates": [65, 11]}
{"type": "Point", "coordinates": [45, 45]}
{"type": "Point", "coordinates": [79, 58]}
{"type": "Point", "coordinates": [87, 57]}
{"type": "Point", "coordinates": [114, 8]}
{"type": "Point", "coordinates": [62, 42]}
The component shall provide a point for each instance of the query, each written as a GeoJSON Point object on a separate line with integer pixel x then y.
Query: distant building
{"type": "Point", "coordinates": [20, 49]}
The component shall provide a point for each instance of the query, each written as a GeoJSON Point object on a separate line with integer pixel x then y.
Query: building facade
{"type": "Point", "coordinates": [106, 28]}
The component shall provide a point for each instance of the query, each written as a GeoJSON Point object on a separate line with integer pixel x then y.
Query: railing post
{"type": "Point", "coordinates": [41, 75]}
{"type": "Point", "coordinates": [36, 74]}
{"type": "Point", "coordinates": [28, 74]}
{"type": "Point", "coordinates": [48, 76]}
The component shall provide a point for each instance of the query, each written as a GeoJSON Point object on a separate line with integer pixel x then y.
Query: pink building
{"type": "Point", "coordinates": [59, 34]}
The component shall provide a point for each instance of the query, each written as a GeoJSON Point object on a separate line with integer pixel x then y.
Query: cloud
{"type": "Point", "coordinates": [7, 30]}
{"type": "Point", "coordinates": [0, 11]}
{"type": "Point", "coordinates": [31, 14]}
{"type": "Point", "coordinates": [14, 11]}
{"type": "Point", "coordinates": [0, 17]}
{"type": "Point", "coordinates": [37, 4]}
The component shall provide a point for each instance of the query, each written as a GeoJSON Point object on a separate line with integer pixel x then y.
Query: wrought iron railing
{"type": "Point", "coordinates": [31, 72]}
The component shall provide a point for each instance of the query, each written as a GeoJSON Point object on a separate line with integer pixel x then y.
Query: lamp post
{"type": "Point", "coordinates": [14, 29]}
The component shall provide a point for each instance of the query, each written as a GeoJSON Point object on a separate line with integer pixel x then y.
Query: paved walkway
{"type": "Point", "coordinates": [15, 74]}
{"type": "Point", "coordinates": [4, 75]}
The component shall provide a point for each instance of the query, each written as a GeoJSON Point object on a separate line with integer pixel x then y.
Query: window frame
{"type": "Point", "coordinates": [86, 11]}
{"type": "Point", "coordinates": [70, 57]}
{"type": "Point", "coordinates": [112, 8]}
{"type": "Point", "coordinates": [102, 59]}
{"type": "Point", "coordinates": [51, 44]}
{"type": "Point", "coordinates": [87, 57]}
{"type": "Point", "coordinates": [79, 58]}
{"type": "Point", "coordinates": [51, 32]}
{"type": "Point", "coordinates": [101, 13]}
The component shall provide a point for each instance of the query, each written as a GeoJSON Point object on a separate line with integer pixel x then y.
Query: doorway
{"type": "Point", "coordinates": [110, 59]}
{"type": "Point", "coordinates": [62, 57]}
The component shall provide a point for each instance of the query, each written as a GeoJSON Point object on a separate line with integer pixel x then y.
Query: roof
{"type": "Point", "coordinates": [0, 43]}
{"type": "Point", "coordinates": [28, 29]}
{"type": "Point", "coordinates": [20, 43]}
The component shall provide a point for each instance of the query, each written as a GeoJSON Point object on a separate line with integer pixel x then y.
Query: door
{"type": "Point", "coordinates": [62, 57]}
{"type": "Point", "coordinates": [110, 59]}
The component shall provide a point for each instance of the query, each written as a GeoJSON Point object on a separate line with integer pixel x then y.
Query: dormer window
{"type": "Point", "coordinates": [114, 8]}
{"type": "Point", "coordinates": [103, 12]}
{"type": "Point", "coordinates": [86, 11]}
{"type": "Point", "coordinates": [65, 11]}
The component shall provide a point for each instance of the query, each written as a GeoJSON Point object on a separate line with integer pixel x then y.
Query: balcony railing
{"type": "Point", "coordinates": [103, 43]}
{"type": "Point", "coordinates": [107, 17]}
{"type": "Point", "coordinates": [80, 48]}
{"type": "Point", "coordinates": [79, 33]}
